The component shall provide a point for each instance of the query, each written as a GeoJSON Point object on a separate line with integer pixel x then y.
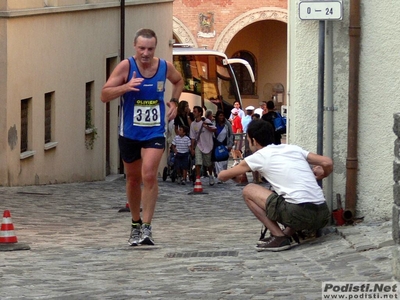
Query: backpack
{"type": "Point", "coordinates": [220, 151]}
{"type": "Point", "coordinates": [279, 123]}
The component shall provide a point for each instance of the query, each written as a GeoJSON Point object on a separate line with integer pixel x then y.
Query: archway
{"type": "Point", "coordinates": [183, 33]}
{"type": "Point", "coordinates": [252, 16]}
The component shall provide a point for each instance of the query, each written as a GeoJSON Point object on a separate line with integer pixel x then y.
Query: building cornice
{"type": "Point", "coordinates": [73, 8]}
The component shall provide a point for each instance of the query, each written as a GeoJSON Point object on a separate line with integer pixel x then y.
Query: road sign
{"type": "Point", "coordinates": [321, 10]}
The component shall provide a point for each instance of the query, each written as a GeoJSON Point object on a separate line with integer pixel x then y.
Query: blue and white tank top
{"type": "Point", "coordinates": [142, 114]}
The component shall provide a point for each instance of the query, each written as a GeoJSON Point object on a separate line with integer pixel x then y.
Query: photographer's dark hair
{"type": "Point", "coordinates": [261, 131]}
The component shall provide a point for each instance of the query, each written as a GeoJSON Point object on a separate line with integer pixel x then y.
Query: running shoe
{"type": "Point", "coordinates": [146, 238]}
{"type": "Point", "coordinates": [211, 180]}
{"type": "Point", "coordinates": [135, 234]}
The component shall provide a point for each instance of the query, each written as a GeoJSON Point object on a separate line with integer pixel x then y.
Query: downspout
{"type": "Point", "coordinates": [329, 107]}
{"type": "Point", "coordinates": [352, 127]}
{"type": "Point", "coordinates": [122, 36]}
{"type": "Point", "coordinates": [321, 78]}
{"type": "Point", "coordinates": [121, 58]}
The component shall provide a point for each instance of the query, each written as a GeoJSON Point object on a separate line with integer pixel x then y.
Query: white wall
{"type": "Point", "coordinates": [379, 79]}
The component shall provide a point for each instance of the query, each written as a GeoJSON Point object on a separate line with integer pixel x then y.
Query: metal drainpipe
{"type": "Point", "coordinates": [321, 77]}
{"type": "Point", "coordinates": [122, 36]}
{"type": "Point", "coordinates": [329, 108]}
{"type": "Point", "coordinates": [352, 134]}
{"type": "Point", "coordinates": [121, 58]}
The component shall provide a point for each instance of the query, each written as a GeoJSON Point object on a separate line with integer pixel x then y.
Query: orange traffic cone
{"type": "Point", "coordinates": [242, 179]}
{"type": "Point", "coordinates": [338, 212]}
{"type": "Point", "coordinates": [126, 208]}
{"type": "Point", "coordinates": [8, 239]}
{"type": "Point", "coordinates": [7, 234]}
{"type": "Point", "coordinates": [198, 188]}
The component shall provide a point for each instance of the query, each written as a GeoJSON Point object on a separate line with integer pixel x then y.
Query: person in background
{"type": "Point", "coordinates": [262, 109]}
{"type": "Point", "coordinates": [241, 113]}
{"type": "Point", "coordinates": [236, 128]}
{"type": "Point", "coordinates": [209, 116]}
{"type": "Point", "coordinates": [269, 117]}
{"type": "Point", "coordinates": [181, 147]}
{"type": "Point", "coordinates": [223, 135]}
{"type": "Point", "coordinates": [184, 116]}
{"type": "Point", "coordinates": [140, 82]}
{"type": "Point", "coordinates": [297, 201]}
{"type": "Point", "coordinates": [247, 151]}
{"type": "Point", "coordinates": [170, 135]}
{"type": "Point", "coordinates": [247, 118]}
{"type": "Point", "coordinates": [201, 134]}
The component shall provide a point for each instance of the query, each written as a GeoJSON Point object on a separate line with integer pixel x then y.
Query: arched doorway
{"type": "Point", "coordinates": [252, 16]}
{"type": "Point", "coordinates": [263, 33]}
{"type": "Point", "coordinates": [182, 34]}
{"type": "Point", "coordinates": [267, 42]}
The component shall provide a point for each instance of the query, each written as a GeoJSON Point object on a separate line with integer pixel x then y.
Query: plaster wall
{"type": "Point", "coordinates": [35, 4]}
{"type": "Point", "coordinates": [3, 103]}
{"type": "Point", "coordinates": [379, 77]}
{"type": "Point", "coordinates": [61, 52]}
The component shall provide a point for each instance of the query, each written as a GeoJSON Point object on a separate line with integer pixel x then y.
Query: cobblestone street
{"type": "Point", "coordinates": [204, 248]}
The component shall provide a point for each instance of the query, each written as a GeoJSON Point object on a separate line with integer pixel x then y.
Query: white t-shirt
{"type": "Point", "coordinates": [205, 140]}
{"type": "Point", "coordinates": [287, 170]}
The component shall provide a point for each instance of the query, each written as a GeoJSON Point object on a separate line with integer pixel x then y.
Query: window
{"type": "Point", "coordinates": [26, 129]}
{"type": "Point", "coordinates": [24, 124]}
{"type": "Point", "coordinates": [90, 129]}
{"type": "Point", "coordinates": [49, 142]}
{"type": "Point", "coordinates": [246, 86]}
{"type": "Point", "coordinates": [47, 117]}
{"type": "Point", "coordinates": [89, 106]}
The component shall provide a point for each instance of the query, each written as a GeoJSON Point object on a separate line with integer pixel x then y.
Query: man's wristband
{"type": "Point", "coordinates": [175, 100]}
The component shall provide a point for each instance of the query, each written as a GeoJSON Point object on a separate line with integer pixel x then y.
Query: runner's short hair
{"type": "Point", "coordinates": [146, 33]}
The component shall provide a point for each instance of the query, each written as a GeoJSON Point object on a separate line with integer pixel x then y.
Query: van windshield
{"type": "Point", "coordinates": [205, 76]}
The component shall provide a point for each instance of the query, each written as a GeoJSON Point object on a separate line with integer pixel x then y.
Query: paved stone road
{"type": "Point", "coordinates": [205, 248]}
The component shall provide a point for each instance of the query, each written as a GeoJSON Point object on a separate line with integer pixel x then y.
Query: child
{"type": "Point", "coordinates": [181, 146]}
{"type": "Point", "coordinates": [237, 128]}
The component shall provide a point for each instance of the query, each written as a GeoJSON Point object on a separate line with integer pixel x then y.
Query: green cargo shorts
{"type": "Point", "coordinates": [202, 159]}
{"type": "Point", "coordinates": [305, 216]}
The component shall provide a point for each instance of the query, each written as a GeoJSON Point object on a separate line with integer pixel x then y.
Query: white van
{"type": "Point", "coordinates": [209, 80]}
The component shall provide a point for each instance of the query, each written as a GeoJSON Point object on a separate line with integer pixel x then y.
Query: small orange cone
{"type": "Point", "coordinates": [126, 208]}
{"type": "Point", "coordinates": [338, 212]}
{"type": "Point", "coordinates": [242, 179]}
{"type": "Point", "coordinates": [7, 234]}
{"type": "Point", "coordinates": [198, 188]}
{"type": "Point", "coordinates": [8, 239]}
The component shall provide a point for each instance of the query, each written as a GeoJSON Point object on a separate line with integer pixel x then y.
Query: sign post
{"type": "Point", "coordinates": [324, 11]}
{"type": "Point", "coordinates": [321, 10]}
